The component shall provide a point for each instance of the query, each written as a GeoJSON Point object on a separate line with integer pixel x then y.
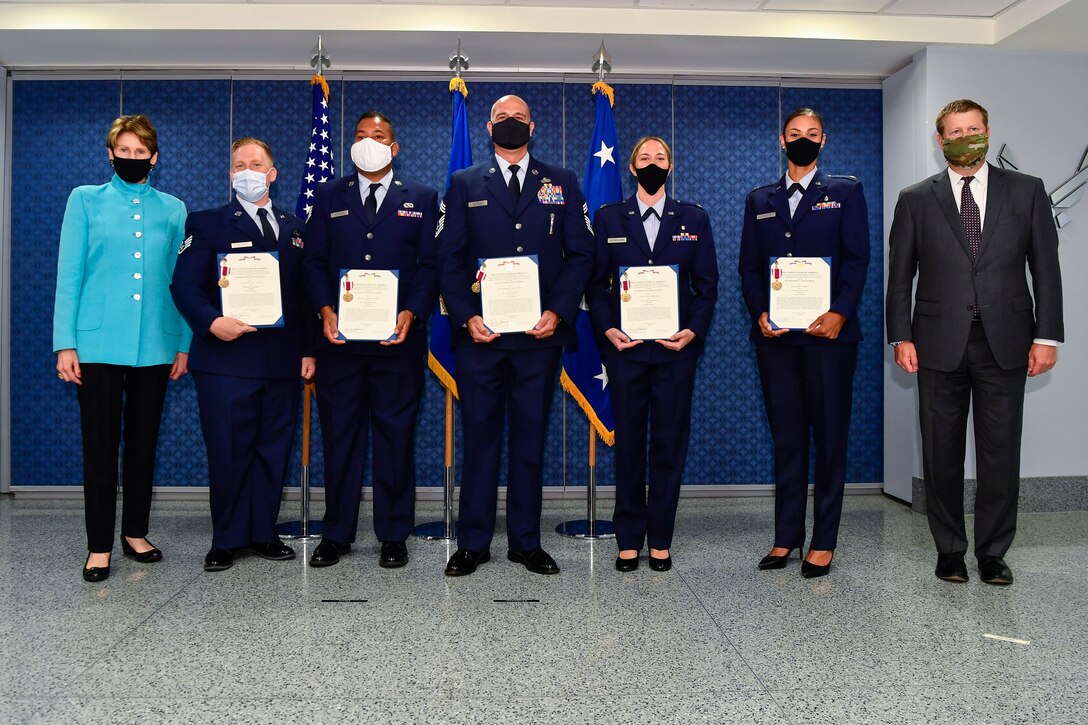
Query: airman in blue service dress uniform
{"type": "Point", "coordinates": [247, 379]}
{"type": "Point", "coordinates": [807, 376]}
{"type": "Point", "coordinates": [512, 204]}
{"type": "Point", "coordinates": [372, 219]}
{"type": "Point", "coordinates": [651, 376]}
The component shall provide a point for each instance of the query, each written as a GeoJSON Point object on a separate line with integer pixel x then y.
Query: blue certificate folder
{"type": "Point", "coordinates": [676, 269]}
{"type": "Point", "coordinates": [219, 269]}
{"type": "Point", "coordinates": [536, 260]}
{"type": "Point", "coordinates": [770, 288]}
{"type": "Point", "coordinates": [340, 299]}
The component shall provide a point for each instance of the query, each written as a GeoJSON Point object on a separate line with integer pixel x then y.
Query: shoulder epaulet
{"type": "Point", "coordinates": [762, 186]}
{"type": "Point", "coordinates": [611, 203]}
{"type": "Point", "coordinates": [842, 176]}
{"type": "Point", "coordinates": [689, 203]}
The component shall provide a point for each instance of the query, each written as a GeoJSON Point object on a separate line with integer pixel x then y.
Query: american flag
{"type": "Point", "coordinates": [319, 166]}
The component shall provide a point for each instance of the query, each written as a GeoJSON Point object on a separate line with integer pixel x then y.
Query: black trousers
{"type": "Point", "coordinates": [108, 394]}
{"type": "Point", "coordinates": [944, 399]}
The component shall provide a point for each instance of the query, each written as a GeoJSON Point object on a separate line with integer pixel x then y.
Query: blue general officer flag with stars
{"type": "Point", "coordinates": [319, 166]}
{"type": "Point", "coordinates": [440, 356]}
{"type": "Point", "coordinates": [584, 375]}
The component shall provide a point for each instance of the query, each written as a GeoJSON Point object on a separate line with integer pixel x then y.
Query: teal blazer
{"type": "Point", "coordinates": [118, 246]}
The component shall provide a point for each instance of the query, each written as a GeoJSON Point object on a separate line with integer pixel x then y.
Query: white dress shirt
{"type": "Point", "coordinates": [364, 188]}
{"type": "Point", "coordinates": [252, 208]}
{"type": "Point", "coordinates": [795, 197]}
{"type": "Point", "coordinates": [651, 223]}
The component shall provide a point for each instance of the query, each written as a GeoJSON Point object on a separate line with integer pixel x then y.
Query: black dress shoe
{"type": "Point", "coordinates": [273, 550]}
{"type": "Point", "coordinates": [811, 571]}
{"type": "Point", "coordinates": [144, 557]}
{"type": "Point", "coordinates": [535, 560]}
{"type": "Point", "coordinates": [659, 564]}
{"type": "Point", "coordinates": [394, 554]}
{"type": "Point", "coordinates": [218, 559]}
{"type": "Point", "coordinates": [994, 570]}
{"type": "Point", "coordinates": [95, 573]}
{"type": "Point", "coordinates": [951, 568]}
{"type": "Point", "coordinates": [626, 564]}
{"type": "Point", "coordinates": [774, 562]}
{"type": "Point", "coordinates": [328, 552]}
{"type": "Point", "coordinates": [464, 562]}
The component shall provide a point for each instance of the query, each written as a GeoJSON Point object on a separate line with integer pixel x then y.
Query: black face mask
{"type": "Point", "coordinates": [510, 133]}
{"type": "Point", "coordinates": [131, 170]}
{"type": "Point", "coordinates": [651, 177]}
{"type": "Point", "coordinates": [802, 151]}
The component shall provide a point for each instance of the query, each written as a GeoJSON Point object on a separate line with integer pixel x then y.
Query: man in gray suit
{"type": "Point", "coordinates": [977, 333]}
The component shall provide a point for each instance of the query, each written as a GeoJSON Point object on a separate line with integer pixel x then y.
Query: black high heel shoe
{"type": "Point", "coordinates": [95, 573]}
{"type": "Point", "coordinates": [626, 565]}
{"type": "Point", "coordinates": [145, 557]}
{"type": "Point", "coordinates": [811, 571]}
{"type": "Point", "coordinates": [660, 564]}
{"type": "Point", "coordinates": [775, 562]}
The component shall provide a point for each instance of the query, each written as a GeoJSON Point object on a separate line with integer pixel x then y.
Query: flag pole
{"type": "Point", "coordinates": [591, 527]}
{"type": "Point", "coordinates": [446, 529]}
{"type": "Point", "coordinates": [304, 528]}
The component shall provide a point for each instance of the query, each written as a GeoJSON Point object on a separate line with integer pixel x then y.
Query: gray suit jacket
{"type": "Point", "coordinates": [927, 239]}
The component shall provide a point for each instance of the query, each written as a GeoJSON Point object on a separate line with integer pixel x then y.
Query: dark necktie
{"type": "Point", "coordinates": [646, 214]}
{"type": "Point", "coordinates": [795, 187]}
{"type": "Point", "coordinates": [371, 205]}
{"type": "Point", "coordinates": [266, 228]}
{"type": "Point", "coordinates": [972, 228]}
{"type": "Point", "coordinates": [515, 185]}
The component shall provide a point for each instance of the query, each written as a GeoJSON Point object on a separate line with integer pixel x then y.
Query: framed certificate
{"type": "Point", "coordinates": [800, 290]}
{"type": "Point", "coordinates": [509, 293]}
{"type": "Point", "coordinates": [368, 304]}
{"type": "Point", "coordinates": [249, 288]}
{"type": "Point", "coordinates": [650, 301]}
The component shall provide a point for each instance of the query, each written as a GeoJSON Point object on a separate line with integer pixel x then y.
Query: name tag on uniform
{"type": "Point", "coordinates": [765, 215]}
{"type": "Point", "coordinates": [481, 202]}
{"type": "Point", "coordinates": [338, 214]}
{"type": "Point", "coordinates": [240, 245]}
{"type": "Point", "coordinates": [617, 240]}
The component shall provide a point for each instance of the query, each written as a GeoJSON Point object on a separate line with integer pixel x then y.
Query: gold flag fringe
{"type": "Point", "coordinates": [601, 86]}
{"type": "Point", "coordinates": [609, 437]}
{"type": "Point", "coordinates": [456, 84]}
{"type": "Point", "coordinates": [319, 80]}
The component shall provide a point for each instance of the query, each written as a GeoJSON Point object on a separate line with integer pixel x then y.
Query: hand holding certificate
{"type": "Point", "coordinates": [509, 290]}
{"type": "Point", "coordinates": [368, 304]}
{"type": "Point", "coordinates": [800, 291]}
{"type": "Point", "coordinates": [249, 287]}
{"type": "Point", "coordinates": [649, 302]}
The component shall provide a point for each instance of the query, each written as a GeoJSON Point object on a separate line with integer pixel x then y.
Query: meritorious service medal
{"type": "Point", "coordinates": [776, 284]}
{"type": "Point", "coordinates": [224, 271]}
{"type": "Point", "coordinates": [479, 278]}
{"type": "Point", "coordinates": [348, 296]}
{"type": "Point", "coordinates": [625, 285]}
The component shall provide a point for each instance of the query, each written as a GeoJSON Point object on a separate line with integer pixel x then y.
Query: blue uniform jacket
{"type": "Point", "coordinates": [479, 221]}
{"type": "Point", "coordinates": [684, 239]}
{"type": "Point", "coordinates": [270, 352]}
{"type": "Point", "coordinates": [118, 244]}
{"type": "Point", "coordinates": [831, 221]}
{"type": "Point", "coordinates": [401, 237]}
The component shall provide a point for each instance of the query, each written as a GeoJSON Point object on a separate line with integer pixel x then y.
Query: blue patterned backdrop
{"type": "Point", "coordinates": [725, 140]}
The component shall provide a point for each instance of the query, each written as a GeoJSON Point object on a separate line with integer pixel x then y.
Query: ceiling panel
{"type": "Point", "coordinates": [835, 6]}
{"type": "Point", "coordinates": [957, 8]}
{"type": "Point", "coordinates": [698, 4]}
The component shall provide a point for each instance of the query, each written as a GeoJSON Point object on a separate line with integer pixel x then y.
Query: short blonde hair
{"type": "Point", "coordinates": [251, 141]}
{"type": "Point", "coordinates": [138, 124]}
{"type": "Point", "coordinates": [643, 140]}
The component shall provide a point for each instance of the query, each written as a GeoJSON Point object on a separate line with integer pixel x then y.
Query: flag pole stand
{"type": "Point", "coordinates": [446, 529]}
{"type": "Point", "coordinates": [590, 527]}
{"type": "Point", "coordinates": [303, 528]}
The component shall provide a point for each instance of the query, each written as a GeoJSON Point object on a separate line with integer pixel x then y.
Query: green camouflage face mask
{"type": "Point", "coordinates": [966, 151]}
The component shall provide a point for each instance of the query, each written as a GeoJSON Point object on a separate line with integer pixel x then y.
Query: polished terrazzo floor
{"type": "Point", "coordinates": [878, 641]}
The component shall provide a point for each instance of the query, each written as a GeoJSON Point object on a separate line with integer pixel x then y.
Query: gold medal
{"type": "Point", "coordinates": [625, 297]}
{"type": "Point", "coordinates": [476, 287]}
{"type": "Point", "coordinates": [224, 282]}
{"type": "Point", "coordinates": [776, 285]}
{"type": "Point", "coordinates": [348, 297]}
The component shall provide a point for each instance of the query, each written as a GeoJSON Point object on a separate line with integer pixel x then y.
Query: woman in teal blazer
{"type": "Point", "coordinates": [118, 336]}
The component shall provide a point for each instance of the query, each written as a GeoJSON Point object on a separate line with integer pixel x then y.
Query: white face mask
{"type": "Point", "coordinates": [250, 185]}
{"type": "Point", "coordinates": [370, 155]}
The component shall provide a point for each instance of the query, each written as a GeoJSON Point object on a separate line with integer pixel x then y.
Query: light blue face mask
{"type": "Point", "coordinates": [250, 185]}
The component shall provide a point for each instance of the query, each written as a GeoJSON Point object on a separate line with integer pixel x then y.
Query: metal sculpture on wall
{"type": "Point", "coordinates": [1068, 192]}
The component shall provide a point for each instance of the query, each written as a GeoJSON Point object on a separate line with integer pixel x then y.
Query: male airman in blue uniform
{"type": "Point", "coordinates": [509, 205]}
{"type": "Point", "coordinates": [373, 219]}
{"type": "Point", "coordinates": [247, 378]}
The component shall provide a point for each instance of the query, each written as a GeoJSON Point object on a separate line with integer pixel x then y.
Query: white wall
{"type": "Point", "coordinates": [1037, 104]}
